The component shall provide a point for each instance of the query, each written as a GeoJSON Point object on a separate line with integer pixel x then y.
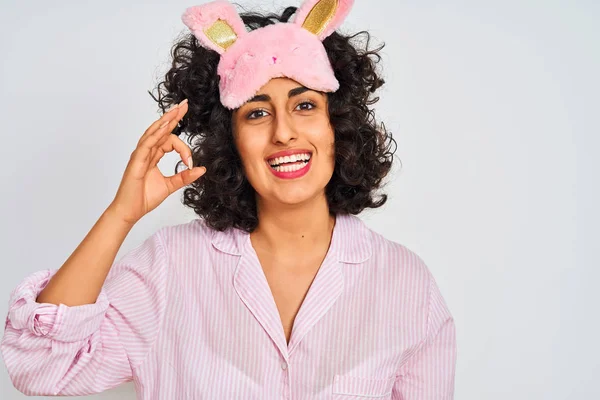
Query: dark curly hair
{"type": "Point", "coordinates": [223, 197]}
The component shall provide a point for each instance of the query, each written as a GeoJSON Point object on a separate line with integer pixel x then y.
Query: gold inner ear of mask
{"type": "Point", "coordinates": [221, 34]}
{"type": "Point", "coordinates": [319, 16]}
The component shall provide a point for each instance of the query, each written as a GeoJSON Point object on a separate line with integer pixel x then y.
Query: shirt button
{"type": "Point", "coordinates": [283, 365]}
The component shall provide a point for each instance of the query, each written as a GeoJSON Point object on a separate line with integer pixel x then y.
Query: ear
{"type": "Point", "coordinates": [322, 17]}
{"type": "Point", "coordinates": [217, 25]}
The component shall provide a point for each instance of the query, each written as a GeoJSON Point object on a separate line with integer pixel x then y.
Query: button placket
{"type": "Point", "coordinates": [286, 379]}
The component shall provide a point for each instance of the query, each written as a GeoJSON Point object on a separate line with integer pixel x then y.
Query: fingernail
{"type": "Point", "coordinates": [183, 102]}
{"type": "Point", "coordinates": [172, 108]}
{"type": "Point", "coordinates": [190, 163]}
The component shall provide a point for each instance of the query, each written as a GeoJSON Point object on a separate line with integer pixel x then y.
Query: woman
{"type": "Point", "coordinates": [278, 290]}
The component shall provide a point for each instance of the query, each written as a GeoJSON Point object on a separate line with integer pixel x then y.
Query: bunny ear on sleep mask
{"type": "Point", "coordinates": [250, 59]}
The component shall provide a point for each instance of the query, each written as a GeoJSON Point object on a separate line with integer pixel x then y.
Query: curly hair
{"type": "Point", "coordinates": [223, 197]}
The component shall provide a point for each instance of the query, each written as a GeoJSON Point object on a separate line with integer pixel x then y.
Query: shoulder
{"type": "Point", "coordinates": [195, 232]}
{"type": "Point", "coordinates": [390, 254]}
{"type": "Point", "coordinates": [198, 237]}
{"type": "Point", "coordinates": [387, 259]}
{"type": "Point", "coordinates": [406, 274]}
{"type": "Point", "coordinates": [409, 273]}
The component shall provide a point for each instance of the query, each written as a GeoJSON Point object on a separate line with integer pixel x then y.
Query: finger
{"type": "Point", "coordinates": [165, 124]}
{"type": "Point", "coordinates": [161, 141]}
{"type": "Point", "coordinates": [168, 128]}
{"type": "Point", "coordinates": [174, 113]}
{"type": "Point", "coordinates": [172, 143]}
{"type": "Point", "coordinates": [184, 178]}
{"type": "Point", "coordinates": [166, 117]}
{"type": "Point", "coordinates": [147, 146]}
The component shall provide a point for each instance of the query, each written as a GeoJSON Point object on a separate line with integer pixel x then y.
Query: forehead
{"type": "Point", "coordinates": [282, 84]}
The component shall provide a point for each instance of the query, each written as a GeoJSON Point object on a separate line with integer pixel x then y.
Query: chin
{"type": "Point", "coordinates": [292, 192]}
{"type": "Point", "coordinates": [295, 195]}
{"type": "Point", "coordinates": [294, 198]}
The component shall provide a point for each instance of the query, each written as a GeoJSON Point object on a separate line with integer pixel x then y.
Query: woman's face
{"type": "Point", "coordinates": [285, 116]}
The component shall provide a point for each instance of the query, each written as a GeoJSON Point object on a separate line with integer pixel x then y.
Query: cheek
{"type": "Point", "coordinates": [250, 146]}
{"type": "Point", "coordinates": [318, 130]}
{"type": "Point", "coordinates": [324, 139]}
{"type": "Point", "coordinates": [331, 147]}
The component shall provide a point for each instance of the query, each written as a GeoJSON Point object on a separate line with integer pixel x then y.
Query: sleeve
{"type": "Point", "coordinates": [80, 350]}
{"type": "Point", "coordinates": [428, 374]}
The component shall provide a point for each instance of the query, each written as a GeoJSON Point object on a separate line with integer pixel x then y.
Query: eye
{"type": "Point", "coordinates": [255, 114]}
{"type": "Point", "coordinates": [306, 105]}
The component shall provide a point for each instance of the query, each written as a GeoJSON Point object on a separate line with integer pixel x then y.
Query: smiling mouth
{"type": "Point", "coordinates": [290, 163]}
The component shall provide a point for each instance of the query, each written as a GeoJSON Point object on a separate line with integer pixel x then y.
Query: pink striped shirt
{"type": "Point", "coordinates": [188, 314]}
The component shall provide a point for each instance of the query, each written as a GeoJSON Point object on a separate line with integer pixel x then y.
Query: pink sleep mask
{"type": "Point", "coordinates": [250, 59]}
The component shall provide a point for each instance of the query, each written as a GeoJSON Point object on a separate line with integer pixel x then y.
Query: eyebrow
{"type": "Point", "coordinates": [291, 93]}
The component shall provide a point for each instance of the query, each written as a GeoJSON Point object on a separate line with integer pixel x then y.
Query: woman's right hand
{"type": "Point", "coordinates": [143, 186]}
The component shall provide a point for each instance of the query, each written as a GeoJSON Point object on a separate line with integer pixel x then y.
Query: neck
{"type": "Point", "coordinates": [297, 230]}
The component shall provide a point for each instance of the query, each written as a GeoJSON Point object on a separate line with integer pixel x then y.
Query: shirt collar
{"type": "Point", "coordinates": [351, 240]}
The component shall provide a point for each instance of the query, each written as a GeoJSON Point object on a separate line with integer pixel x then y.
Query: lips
{"type": "Point", "coordinates": [292, 174]}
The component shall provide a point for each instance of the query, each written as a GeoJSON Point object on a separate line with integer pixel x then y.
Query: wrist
{"type": "Point", "coordinates": [112, 213]}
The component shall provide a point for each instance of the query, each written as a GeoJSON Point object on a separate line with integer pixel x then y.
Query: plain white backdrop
{"type": "Point", "coordinates": [495, 108]}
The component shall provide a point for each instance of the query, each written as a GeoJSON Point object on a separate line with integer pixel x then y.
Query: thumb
{"type": "Point", "coordinates": [185, 177]}
{"type": "Point", "coordinates": [190, 175]}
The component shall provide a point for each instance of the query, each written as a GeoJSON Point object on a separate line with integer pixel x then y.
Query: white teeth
{"type": "Point", "coordinates": [290, 159]}
{"type": "Point", "coordinates": [290, 168]}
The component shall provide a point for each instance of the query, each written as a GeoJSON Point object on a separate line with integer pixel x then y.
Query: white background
{"type": "Point", "coordinates": [494, 105]}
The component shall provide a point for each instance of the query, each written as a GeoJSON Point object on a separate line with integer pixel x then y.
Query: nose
{"type": "Point", "coordinates": [284, 130]}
